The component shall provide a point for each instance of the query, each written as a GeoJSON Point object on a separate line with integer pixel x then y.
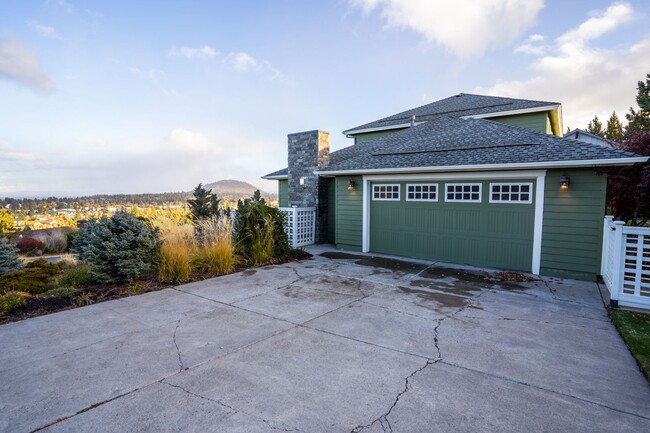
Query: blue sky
{"type": "Point", "coordinates": [153, 96]}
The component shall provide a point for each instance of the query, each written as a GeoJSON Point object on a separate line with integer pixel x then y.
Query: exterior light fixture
{"type": "Point", "coordinates": [564, 182]}
{"type": "Point", "coordinates": [303, 182]}
{"type": "Point", "coordinates": [351, 184]}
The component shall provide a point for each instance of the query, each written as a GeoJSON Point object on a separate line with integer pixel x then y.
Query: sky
{"type": "Point", "coordinates": [104, 97]}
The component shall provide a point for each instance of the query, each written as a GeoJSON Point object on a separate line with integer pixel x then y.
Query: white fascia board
{"type": "Point", "coordinates": [491, 167]}
{"type": "Point", "coordinates": [380, 128]}
{"type": "Point", "coordinates": [502, 174]}
{"type": "Point", "coordinates": [278, 177]}
{"type": "Point", "coordinates": [512, 112]}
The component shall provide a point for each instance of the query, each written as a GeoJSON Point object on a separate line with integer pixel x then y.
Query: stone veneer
{"type": "Point", "coordinates": [308, 152]}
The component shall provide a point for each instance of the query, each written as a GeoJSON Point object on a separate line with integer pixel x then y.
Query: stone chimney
{"type": "Point", "coordinates": [308, 151]}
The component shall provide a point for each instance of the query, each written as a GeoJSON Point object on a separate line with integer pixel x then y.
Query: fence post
{"type": "Point", "coordinates": [606, 229]}
{"type": "Point", "coordinates": [294, 231]}
{"type": "Point", "coordinates": [617, 265]}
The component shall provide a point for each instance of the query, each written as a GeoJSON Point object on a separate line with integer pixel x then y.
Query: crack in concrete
{"type": "Point", "coordinates": [383, 419]}
{"type": "Point", "coordinates": [178, 350]}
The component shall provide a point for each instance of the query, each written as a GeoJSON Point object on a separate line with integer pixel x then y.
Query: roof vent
{"type": "Point", "coordinates": [413, 120]}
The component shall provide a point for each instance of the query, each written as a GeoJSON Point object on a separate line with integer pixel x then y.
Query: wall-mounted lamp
{"type": "Point", "coordinates": [564, 182]}
{"type": "Point", "coordinates": [351, 184]}
{"type": "Point", "coordinates": [303, 182]}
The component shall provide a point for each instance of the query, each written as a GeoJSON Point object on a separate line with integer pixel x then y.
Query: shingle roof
{"type": "Point", "coordinates": [453, 141]}
{"type": "Point", "coordinates": [279, 173]}
{"type": "Point", "coordinates": [455, 106]}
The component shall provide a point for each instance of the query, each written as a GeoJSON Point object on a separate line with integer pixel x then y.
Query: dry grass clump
{"type": "Point", "coordinates": [215, 254]}
{"type": "Point", "coordinates": [186, 250]}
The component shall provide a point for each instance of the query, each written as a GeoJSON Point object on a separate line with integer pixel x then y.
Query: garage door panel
{"type": "Point", "coordinates": [481, 234]}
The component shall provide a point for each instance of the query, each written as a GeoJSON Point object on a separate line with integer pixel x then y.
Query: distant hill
{"type": "Point", "coordinates": [231, 187]}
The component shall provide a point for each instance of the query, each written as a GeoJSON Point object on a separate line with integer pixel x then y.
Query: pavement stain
{"type": "Point", "coordinates": [449, 301]}
{"type": "Point", "coordinates": [249, 272]}
{"type": "Point", "coordinates": [377, 262]}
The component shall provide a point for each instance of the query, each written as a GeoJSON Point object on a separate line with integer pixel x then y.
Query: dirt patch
{"type": "Point", "coordinates": [377, 262]}
{"type": "Point", "coordinates": [449, 301]}
{"type": "Point", "coordinates": [516, 276]}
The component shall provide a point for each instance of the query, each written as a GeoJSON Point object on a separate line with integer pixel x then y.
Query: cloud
{"type": "Point", "coordinates": [242, 62]}
{"type": "Point", "coordinates": [464, 28]}
{"type": "Point", "coordinates": [7, 153]}
{"type": "Point", "coordinates": [204, 52]}
{"type": "Point", "coordinates": [149, 74]}
{"type": "Point", "coordinates": [20, 63]}
{"type": "Point", "coordinates": [43, 30]}
{"type": "Point", "coordinates": [189, 141]}
{"type": "Point", "coordinates": [66, 6]}
{"type": "Point", "coordinates": [534, 45]}
{"type": "Point", "coordinates": [588, 80]}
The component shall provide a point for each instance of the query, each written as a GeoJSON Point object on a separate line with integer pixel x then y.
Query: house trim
{"type": "Point", "coordinates": [539, 175]}
{"type": "Point", "coordinates": [277, 177]}
{"type": "Point", "coordinates": [512, 112]}
{"type": "Point", "coordinates": [492, 167]}
{"type": "Point", "coordinates": [381, 128]}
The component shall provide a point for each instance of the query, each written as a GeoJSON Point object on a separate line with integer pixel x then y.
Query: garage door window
{"type": "Point", "coordinates": [511, 193]}
{"type": "Point", "coordinates": [464, 192]}
{"type": "Point", "coordinates": [422, 192]}
{"type": "Point", "coordinates": [385, 192]}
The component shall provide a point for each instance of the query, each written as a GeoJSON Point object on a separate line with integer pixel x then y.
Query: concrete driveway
{"type": "Point", "coordinates": [340, 343]}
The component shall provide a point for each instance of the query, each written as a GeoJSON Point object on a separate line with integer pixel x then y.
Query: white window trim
{"type": "Point", "coordinates": [372, 194]}
{"type": "Point", "coordinates": [421, 199]}
{"type": "Point", "coordinates": [539, 175]}
{"type": "Point", "coordinates": [530, 193]}
{"type": "Point", "coordinates": [480, 192]}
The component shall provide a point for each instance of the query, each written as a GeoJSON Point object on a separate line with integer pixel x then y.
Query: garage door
{"type": "Point", "coordinates": [480, 223]}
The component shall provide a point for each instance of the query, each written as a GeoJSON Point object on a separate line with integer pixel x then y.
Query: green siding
{"type": "Point", "coordinates": [349, 210]}
{"type": "Point", "coordinates": [283, 193]}
{"type": "Point", "coordinates": [573, 224]}
{"type": "Point", "coordinates": [534, 121]}
{"type": "Point", "coordinates": [360, 138]}
{"type": "Point", "coordinates": [331, 210]}
{"type": "Point", "coordinates": [488, 234]}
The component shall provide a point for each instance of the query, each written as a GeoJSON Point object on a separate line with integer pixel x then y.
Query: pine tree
{"type": "Point", "coordinates": [596, 127]}
{"type": "Point", "coordinates": [614, 130]}
{"type": "Point", "coordinates": [9, 260]}
{"type": "Point", "coordinates": [204, 205]}
{"type": "Point", "coordinates": [640, 120]}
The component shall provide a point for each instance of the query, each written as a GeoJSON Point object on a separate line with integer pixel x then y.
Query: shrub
{"type": "Point", "coordinates": [30, 246]}
{"type": "Point", "coordinates": [59, 292]}
{"type": "Point", "coordinates": [119, 248]}
{"type": "Point", "coordinates": [176, 252]}
{"type": "Point", "coordinates": [37, 277]}
{"type": "Point", "coordinates": [260, 234]}
{"type": "Point", "coordinates": [77, 276]}
{"type": "Point", "coordinates": [11, 301]}
{"type": "Point", "coordinates": [216, 254]}
{"type": "Point", "coordinates": [56, 242]}
{"type": "Point", "coordinates": [9, 260]}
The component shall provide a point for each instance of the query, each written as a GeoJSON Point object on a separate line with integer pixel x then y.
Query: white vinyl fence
{"type": "Point", "coordinates": [626, 264]}
{"type": "Point", "coordinates": [300, 225]}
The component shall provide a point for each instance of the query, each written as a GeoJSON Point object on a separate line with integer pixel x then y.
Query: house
{"type": "Point", "coordinates": [579, 134]}
{"type": "Point", "coordinates": [479, 180]}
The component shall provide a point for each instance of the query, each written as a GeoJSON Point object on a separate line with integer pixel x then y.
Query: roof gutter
{"type": "Point", "coordinates": [512, 112]}
{"type": "Point", "coordinates": [490, 167]}
{"type": "Point", "coordinates": [381, 128]}
{"type": "Point", "coordinates": [276, 177]}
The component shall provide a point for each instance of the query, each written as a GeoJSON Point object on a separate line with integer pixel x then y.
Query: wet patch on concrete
{"type": "Point", "coordinates": [510, 285]}
{"type": "Point", "coordinates": [377, 262]}
{"type": "Point", "coordinates": [249, 272]}
{"type": "Point", "coordinates": [469, 276]}
{"type": "Point", "coordinates": [455, 287]}
{"type": "Point", "coordinates": [440, 299]}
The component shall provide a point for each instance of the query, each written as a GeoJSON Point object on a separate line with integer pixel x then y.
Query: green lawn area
{"type": "Point", "coordinates": [635, 329]}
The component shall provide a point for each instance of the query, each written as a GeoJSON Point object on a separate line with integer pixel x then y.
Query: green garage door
{"type": "Point", "coordinates": [480, 223]}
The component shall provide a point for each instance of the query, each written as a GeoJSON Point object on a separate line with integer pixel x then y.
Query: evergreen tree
{"type": "Point", "coordinates": [596, 127]}
{"type": "Point", "coordinates": [204, 205]}
{"type": "Point", "coordinates": [9, 260]}
{"type": "Point", "coordinates": [614, 130]}
{"type": "Point", "coordinates": [640, 120]}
